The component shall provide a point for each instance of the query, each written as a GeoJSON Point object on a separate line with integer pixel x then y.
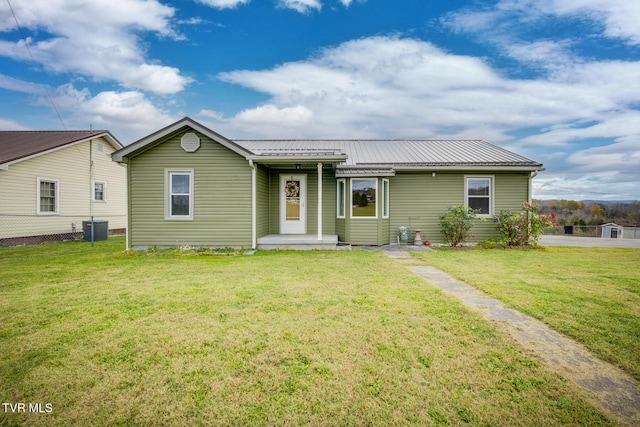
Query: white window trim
{"type": "Point", "coordinates": [342, 215]}
{"type": "Point", "coordinates": [57, 196]}
{"type": "Point", "coordinates": [491, 179]}
{"type": "Point", "coordinates": [351, 199]}
{"type": "Point", "coordinates": [385, 198]}
{"type": "Point", "coordinates": [167, 194]}
{"type": "Point", "coordinates": [104, 192]}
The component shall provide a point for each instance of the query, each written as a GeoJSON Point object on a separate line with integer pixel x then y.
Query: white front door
{"type": "Point", "coordinates": [293, 204]}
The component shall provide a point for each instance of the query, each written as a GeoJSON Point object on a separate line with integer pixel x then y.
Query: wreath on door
{"type": "Point", "coordinates": [292, 189]}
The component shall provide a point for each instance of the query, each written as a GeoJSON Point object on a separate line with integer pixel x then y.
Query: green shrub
{"type": "Point", "coordinates": [456, 223]}
{"type": "Point", "coordinates": [525, 227]}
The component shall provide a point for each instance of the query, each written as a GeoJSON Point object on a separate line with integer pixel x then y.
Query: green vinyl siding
{"type": "Point", "coordinates": [222, 196]}
{"type": "Point", "coordinates": [511, 191]}
{"type": "Point", "coordinates": [329, 200]}
{"type": "Point", "coordinates": [418, 200]}
{"type": "Point", "coordinates": [383, 231]}
{"type": "Point", "coordinates": [263, 198]}
{"type": "Point", "coordinates": [364, 231]}
{"type": "Point", "coordinates": [341, 230]}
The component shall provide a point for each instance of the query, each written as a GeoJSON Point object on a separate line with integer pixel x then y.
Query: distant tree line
{"type": "Point", "coordinates": [572, 212]}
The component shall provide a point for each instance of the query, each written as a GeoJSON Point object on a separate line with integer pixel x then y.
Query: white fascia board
{"type": "Point", "coordinates": [296, 159]}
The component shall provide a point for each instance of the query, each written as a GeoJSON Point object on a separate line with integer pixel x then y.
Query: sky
{"type": "Point", "coordinates": [557, 81]}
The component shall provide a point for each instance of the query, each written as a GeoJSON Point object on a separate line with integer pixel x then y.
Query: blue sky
{"type": "Point", "coordinates": [557, 81]}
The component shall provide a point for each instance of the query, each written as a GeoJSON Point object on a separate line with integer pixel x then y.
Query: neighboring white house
{"type": "Point", "coordinates": [51, 181]}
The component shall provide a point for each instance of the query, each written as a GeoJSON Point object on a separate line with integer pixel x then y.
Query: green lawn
{"type": "Point", "coordinates": [277, 338]}
{"type": "Point", "coordinates": [369, 210]}
{"type": "Point", "coordinates": [590, 294]}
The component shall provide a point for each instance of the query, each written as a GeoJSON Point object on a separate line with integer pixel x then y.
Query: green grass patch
{"type": "Point", "coordinates": [277, 338]}
{"type": "Point", "coordinates": [589, 294]}
{"type": "Point", "coordinates": [364, 211]}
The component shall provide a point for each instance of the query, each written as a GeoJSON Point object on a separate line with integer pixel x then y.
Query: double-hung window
{"type": "Point", "coordinates": [479, 194]}
{"type": "Point", "coordinates": [48, 202]}
{"type": "Point", "coordinates": [99, 191]}
{"type": "Point", "coordinates": [179, 194]}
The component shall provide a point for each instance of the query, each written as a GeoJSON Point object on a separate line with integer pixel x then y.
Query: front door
{"type": "Point", "coordinates": [293, 204]}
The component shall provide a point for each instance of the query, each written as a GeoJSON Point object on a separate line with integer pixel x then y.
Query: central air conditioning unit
{"type": "Point", "coordinates": [404, 232]}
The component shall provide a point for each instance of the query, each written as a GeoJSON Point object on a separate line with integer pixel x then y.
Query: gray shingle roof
{"type": "Point", "coordinates": [15, 145]}
{"type": "Point", "coordinates": [399, 152]}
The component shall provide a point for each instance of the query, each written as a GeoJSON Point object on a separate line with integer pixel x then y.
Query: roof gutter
{"type": "Point", "coordinates": [297, 158]}
{"type": "Point", "coordinates": [456, 168]}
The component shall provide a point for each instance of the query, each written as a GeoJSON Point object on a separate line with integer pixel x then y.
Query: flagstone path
{"type": "Point", "coordinates": [609, 388]}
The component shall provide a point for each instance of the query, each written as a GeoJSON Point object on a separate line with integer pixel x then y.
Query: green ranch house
{"type": "Point", "coordinates": [190, 186]}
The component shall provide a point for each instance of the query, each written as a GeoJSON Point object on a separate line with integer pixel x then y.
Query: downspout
{"type": "Point", "coordinates": [254, 207]}
{"type": "Point", "coordinates": [91, 187]}
{"type": "Point", "coordinates": [319, 201]}
{"type": "Point", "coordinates": [128, 219]}
{"type": "Point", "coordinates": [533, 175]}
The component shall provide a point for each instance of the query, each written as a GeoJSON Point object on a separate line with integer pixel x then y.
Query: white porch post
{"type": "Point", "coordinates": [254, 207]}
{"type": "Point", "coordinates": [319, 201]}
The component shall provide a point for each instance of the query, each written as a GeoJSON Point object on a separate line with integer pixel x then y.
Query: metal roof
{"type": "Point", "coordinates": [16, 145]}
{"type": "Point", "coordinates": [398, 152]}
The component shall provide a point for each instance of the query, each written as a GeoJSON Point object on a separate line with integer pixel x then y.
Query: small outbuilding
{"type": "Point", "coordinates": [612, 231]}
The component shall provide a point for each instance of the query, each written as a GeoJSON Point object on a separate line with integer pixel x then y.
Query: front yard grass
{"type": "Point", "coordinates": [589, 294]}
{"type": "Point", "coordinates": [277, 338]}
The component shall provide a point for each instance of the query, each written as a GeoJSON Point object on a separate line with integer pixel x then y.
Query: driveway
{"type": "Point", "coordinates": [588, 241]}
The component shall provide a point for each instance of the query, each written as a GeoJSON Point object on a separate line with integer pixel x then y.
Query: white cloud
{"type": "Point", "coordinates": [211, 114]}
{"type": "Point", "coordinates": [7, 124]}
{"type": "Point", "coordinates": [302, 6]}
{"type": "Point", "coordinates": [18, 85]}
{"type": "Point", "coordinates": [593, 186]}
{"type": "Point", "coordinates": [223, 4]}
{"type": "Point", "coordinates": [618, 18]}
{"type": "Point", "coordinates": [389, 86]}
{"type": "Point", "coordinates": [404, 88]}
{"type": "Point", "coordinates": [275, 122]}
{"type": "Point", "coordinates": [621, 157]}
{"type": "Point", "coordinates": [128, 115]}
{"type": "Point", "coordinates": [98, 40]}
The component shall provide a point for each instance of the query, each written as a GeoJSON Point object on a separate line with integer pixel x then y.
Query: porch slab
{"type": "Point", "coordinates": [298, 241]}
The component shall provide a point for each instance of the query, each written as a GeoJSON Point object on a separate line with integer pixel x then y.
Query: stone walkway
{"type": "Point", "coordinates": [609, 388]}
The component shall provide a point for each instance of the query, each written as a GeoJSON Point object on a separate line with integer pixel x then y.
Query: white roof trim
{"type": "Point", "coordinates": [122, 155]}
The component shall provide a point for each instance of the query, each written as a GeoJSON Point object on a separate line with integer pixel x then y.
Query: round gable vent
{"type": "Point", "coordinates": [190, 142]}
